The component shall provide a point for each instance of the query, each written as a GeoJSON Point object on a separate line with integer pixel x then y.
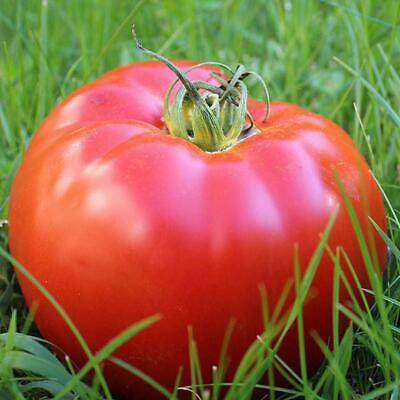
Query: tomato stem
{"type": "Point", "coordinates": [212, 117]}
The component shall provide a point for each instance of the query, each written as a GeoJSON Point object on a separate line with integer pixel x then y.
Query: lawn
{"type": "Point", "coordinates": [337, 58]}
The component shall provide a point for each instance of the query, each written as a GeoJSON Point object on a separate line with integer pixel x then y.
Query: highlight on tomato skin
{"type": "Point", "coordinates": [122, 214]}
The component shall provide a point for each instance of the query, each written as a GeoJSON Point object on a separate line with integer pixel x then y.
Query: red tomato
{"type": "Point", "coordinates": [120, 220]}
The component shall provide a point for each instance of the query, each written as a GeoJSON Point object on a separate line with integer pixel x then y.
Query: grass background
{"type": "Point", "coordinates": [337, 58]}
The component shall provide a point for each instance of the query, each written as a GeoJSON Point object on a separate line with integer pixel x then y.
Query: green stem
{"type": "Point", "coordinates": [212, 117]}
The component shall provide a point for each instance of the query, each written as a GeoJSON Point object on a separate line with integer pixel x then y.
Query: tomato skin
{"type": "Point", "coordinates": [121, 221]}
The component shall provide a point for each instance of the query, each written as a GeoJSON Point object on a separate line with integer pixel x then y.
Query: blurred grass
{"type": "Point", "coordinates": [337, 58]}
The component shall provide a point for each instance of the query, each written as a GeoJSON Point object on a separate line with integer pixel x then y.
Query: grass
{"type": "Point", "coordinates": [337, 58]}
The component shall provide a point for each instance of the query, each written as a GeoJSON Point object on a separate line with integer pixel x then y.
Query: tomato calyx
{"type": "Point", "coordinates": [212, 117]}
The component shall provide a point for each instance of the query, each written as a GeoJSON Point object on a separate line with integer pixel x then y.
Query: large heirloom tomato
{"type": "Point", "coordinates": [122, 216]}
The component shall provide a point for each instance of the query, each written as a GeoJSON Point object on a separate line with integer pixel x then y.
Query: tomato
{"type": "Point", "coordinates": [121, 220]}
